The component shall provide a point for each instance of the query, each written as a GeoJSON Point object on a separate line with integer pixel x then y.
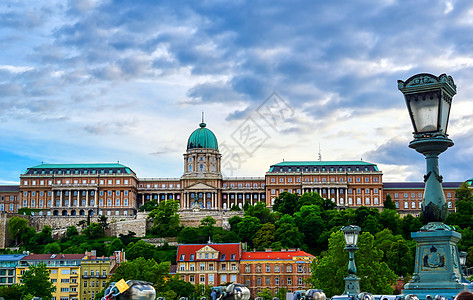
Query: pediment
{"type": "Point", "coordinates": [200, 186]}
{"type": "Point", "coordinates": [206, 249]}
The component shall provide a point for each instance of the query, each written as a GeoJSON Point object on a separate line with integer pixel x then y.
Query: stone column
{"type": "Point", "coordinates": [87, 198]}
{"type": "Point", "coordinates": [70, 198]}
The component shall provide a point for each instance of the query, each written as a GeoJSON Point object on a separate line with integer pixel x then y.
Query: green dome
{"type": "Point", "coordinates": [202, 138]}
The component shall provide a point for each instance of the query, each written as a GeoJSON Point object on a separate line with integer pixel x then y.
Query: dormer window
{"type": "Point", "coordinates": [232, 257]}
{"type": "Point", "coordinates": [183, 256]}
{"type": "Point", "coordinates": [222, 257]}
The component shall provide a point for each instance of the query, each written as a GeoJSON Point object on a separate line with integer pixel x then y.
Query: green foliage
{"type": "Point", "coordinates": [16, 227]}
{"type": "Point", "coordinates": [265, 294]}
{"type": "Point", "coordinates": [286, 203]}
{"type": "Point", "coordinates": [329, 270]}
{"type": "Point", "coordinates": [36, 282]}
{"type": "Point", "coordinates": [28, 211]}
{"type": "Point", "coordinates": [235, 208]}
{"type": "Point", "coordinates": [52, 248]}
{"type": "Point", "coordinates": [390, 219]}
{"type": "Point", "coordinates": [149, 206]}
{"type": "Point", "coordinates": [93, 231]}
{"type": "Point", "coordinates": [165, 218]}
{"type": "Point", "coordinates": [389, 203]}
{"type": "Point", "coordinates": [207, 226]}
{"type": "Point", "coordinates": [281, 294]}
{"type": "Point", "coordinates": [143, 269]}
{"type": "Point", "coordinates": [233, 221]}
{"type": "Point", "coordinates": [115, 245]}
{"type": "Point", "coordinates": [310, 223]}
{"type": "Point", "coordinates": [264, 237]}
{"type": "Point", "coordinates": [247, 228]}
{"type": "Point", "coordinates": [11, 292]}
{"type": "Point", "coordinates": [127, 238]}
{"type": "Point", "coordinates": [179, 287]}
{"type": "Point", "coordinates": [71, 231]}
{"type": "Point", "coordinates": [260, 211]}
{"type": "Point", "coordinates": [400, 258]}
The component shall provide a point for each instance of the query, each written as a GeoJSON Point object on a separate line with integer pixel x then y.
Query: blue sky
{"type": "Point", "coordinates": [106, 81]}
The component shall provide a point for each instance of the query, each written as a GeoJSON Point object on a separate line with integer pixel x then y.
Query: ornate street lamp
{"type": "Point", "coordinates": [428, 100]}
{"type": "Point", "coordinates": [437, 265]}
{"type": "Point", "coordinates": [352, 282]}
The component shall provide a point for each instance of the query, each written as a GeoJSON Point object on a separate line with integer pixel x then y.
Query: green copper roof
{"type": "Point", "coordinates": [324, 163]}
{"type": "Point", "coordinates": [355, 163]}
{"type": "Point", "coordinates": [77, 166]}
{"type": "Point", "coordinates": [98, 168]}
{"type": "Point", "coordinates": [202, 138]}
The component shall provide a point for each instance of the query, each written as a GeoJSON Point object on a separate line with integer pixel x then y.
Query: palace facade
{"type": "Point", "coordinates": [113, 189]}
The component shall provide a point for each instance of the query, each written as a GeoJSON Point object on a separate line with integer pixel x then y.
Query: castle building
{"type": "Point", "coordinates": [113, 189]}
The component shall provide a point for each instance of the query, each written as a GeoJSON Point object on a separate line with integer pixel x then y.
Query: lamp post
{"type": "Point", "coordinates": [437, 265]}
{"type": "Point", "coordinates": [462, 255]}
{"type": "Point", "coordinates": [352, 282]}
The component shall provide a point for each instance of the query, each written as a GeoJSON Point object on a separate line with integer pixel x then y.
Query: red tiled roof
{"type": "Point", "coordinates": [223, 249]}
{"type": "Point", "coordinates": [273, 255]}
{"type": "Point", "coordinates": [54, 257]}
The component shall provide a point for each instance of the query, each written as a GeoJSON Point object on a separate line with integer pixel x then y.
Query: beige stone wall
{"type": "Point", "coordinates": [118, 225]}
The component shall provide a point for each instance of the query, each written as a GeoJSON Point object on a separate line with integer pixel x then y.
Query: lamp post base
{"type": "Point", "coordinates": [437, 265]}
{"type": "Point", "coordinates": [352, 285]}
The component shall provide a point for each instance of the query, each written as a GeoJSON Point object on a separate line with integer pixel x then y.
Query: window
{"type": "Point", "coordinates": [211, 277]}
{"type": "Point", "coordinates": [192, 278]}
{"type": "Point", "coordinates": [232, 257]}
{"type": "Point", "coordinates": [289, 269]}
{"type": "Point", "coordinates": [192, 267]}
{"type": "Point", "coordinates": [276, 281]}
{"type": "Point", "coordinates": [234, 267]}
{"type": "Point", "coordinates": [224, 267]}
{"type": "Point", "coordinates": [300, 281]}
{"type": "Point", "coordinates": [268, 281]}
{"type": "Point", "coordinates": [202, 278]}
{"type": "Point", "coordinates": [289, 281]}
{"type": "Point", "coordinates": [211, 267]}
{"type": "Point", "coordinates": [268, 268]}
{"type": "Point", "coordinates": [247, 268]}
{"type": "Point", "coordinates": [300, 268]}
{"type": "Point", "coordinates": [223, 278]}
{"type": "Point", "coordinates": [405, 195]}
{"type": "Point", "coordinates": [258, 269]}
{"type": "Point", "coordinates": [413, 205]}
{"type": "Point", "coordinates": [202, 267]}
{"type": "Point", "coordinates": [276, 268]}
{"type": "Point", "coordinates": [182, 257]}
{"type": "Point", "coordinates": [192, 257]}
{"type": "Point", "coordinates": [258, 281]}
{"type": "Point", "coordinates": [406, 204]}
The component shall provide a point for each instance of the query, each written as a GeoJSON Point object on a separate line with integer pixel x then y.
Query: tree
{"type": "Point", "coordinates": [265, 294]}
{"type": "Point", "coordinates": [289, 236]}
{"type": "Point", "coordinates": [140, 249]}
{"type": "Point", "coordinates": [207, 226]}
{"type": "Point", "coordinates": [329, 271]}
{"type": "Point", "coordinates": [93, 231]}
{"type": "Point", "coordinates": [281, 294]}
{"type": "Point", "coordinates": [189, 235]}
{"type": "Point", "coordinates": [464, 207]}
{"type": "Point", "coordinates": [16, 227]}
{"type": "Point", "coordinates": [391, 219]}
{"type": "Point", "coordinates": [400, 258]}
{"type": "Point", "coordinates": [180, 287]}
{"type": "Point", "coordinates": [233, 221]}
{"type": "Point", "coordinates": [71, 231]}
{"type": "Point", "coordinates": [286, 203]}
{"type": "Point", "coordinates": [247, 228]}
{"type": "Point", "coordinates": [265, 236]}
{"type": "Point", "coordinates": [143, 269]}
{"type": "Point", "coordinates": [388, 203]}
{"type": "Point", "coordinates": [52, 248]}
{"type": "Point", "coordinates": [127, 238]}
{"type": "Point", "coordinates": [165, 218]}
{"type": "Point", "coordinates": [103, 223]}
{"type": "Point", "coordinates": [310, 223]}
{"type": "Point", "coordinates": [36, 282]}
{"type": "Point", "coordinates": [115, 245]}
{"type": "Point", "coordinates": [10, 292]}
{"type": "Point", "coordinates": [260, 211]}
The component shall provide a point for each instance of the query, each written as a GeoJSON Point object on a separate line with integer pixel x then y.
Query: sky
{"type": "Point", "coordinates": [104, 81]}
